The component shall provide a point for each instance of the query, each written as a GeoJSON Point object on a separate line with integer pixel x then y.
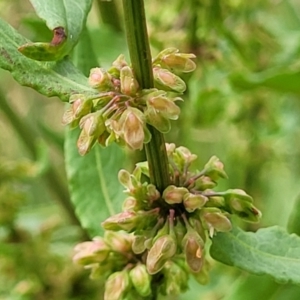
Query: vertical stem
{"type": "Point", "coordinates": [139, 49]}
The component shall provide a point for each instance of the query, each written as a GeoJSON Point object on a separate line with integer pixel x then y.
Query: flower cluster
{"type": "Point", "coordinates": [120, 110]}
{"type": "Point", "coordinates": [169, 229]}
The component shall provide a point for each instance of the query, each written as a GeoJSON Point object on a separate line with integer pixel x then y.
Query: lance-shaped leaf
{"type": "Point", "coordinates": [66, 19]}
{"type": "Point", "coordinates": [49, 78]}
{"type": "Point", "coordinates": [269, 251]}
{"type": "Point", "coordinates": [95, 191]}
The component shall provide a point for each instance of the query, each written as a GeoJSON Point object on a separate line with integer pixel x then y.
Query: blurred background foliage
{"type": "Point", "coordinates": [242, 105]}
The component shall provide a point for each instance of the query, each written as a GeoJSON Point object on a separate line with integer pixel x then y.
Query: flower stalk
{"type": "Point", "coordinates": [139, 49]}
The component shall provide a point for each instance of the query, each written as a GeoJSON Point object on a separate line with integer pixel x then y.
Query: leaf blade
{"type": "Point", "coordinates": [269, 251]}
{"type": "Point", "coordinates": [95, 191]}
{"type": "Point", "coordinates": [49, 78]}
{"type": "Point", "coordinates": [70, 16]}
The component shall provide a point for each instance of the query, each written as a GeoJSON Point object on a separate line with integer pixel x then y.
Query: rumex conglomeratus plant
{"type": "Point", "coordinates": [159, 234]}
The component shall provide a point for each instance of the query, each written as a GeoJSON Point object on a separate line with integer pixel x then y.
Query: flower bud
{"type": "Point", "coordinates": [236, 194]}
{"type": "Point", "coordinates": [129, 85]}
{"type": "Point", "coordinates": [133, 128]}
{"type": "Point", "coordinates": [173, 194]}
{"type": "Point", "coordinates": [203, 183]}
{"type": "Point", "coordinates": [180, 231]}
{"type": "Point", "coordinates": [126, 220]}
{"type": "Point", "coordinates": [88, 253]}
{"type": "Point", "coordinates": [166, 107]}
{"type": "Point", "coordinates": [245, 210]}
{"type": "Point", "coordinates": [170, 148]}
{"type": "Point", "coordinates": [214, 169]}
{"type": "Point", "coordinates": [131, 204]}
{"type": "Point", "coordinates": [157, 120]}
{"type": "Point", "coordinates": [141, 280]}
{"type": "Point", "coordinates": [215, 219]}
{"type": "Point", "coordinates": [125, 179]}
{"type": "Point", "coordinates": [100, 79]}
{"type": "Point", "coordinates": [117, 285]}
{"type": "Point", "coordinates": [186, 155]}
{"type": "Point", "coordinates": [92, 126]}
{"type": "Point", "coordinates": [138, 245]}
{"type": "Point", "coordinates": [175, 279]}
{"type": "Point", "coordinates": [118, 241]}
{"type": "Point", "coordinates": [162, 250]}
{"type": "Point", "coordinates": [171, 59]}
{"type": "Point", "coordinates": [193, 247]}
{"type": "Point", "coordinates": [129, 220]}
{"type": "Point", "coordinates": [152, 193]}
{"type": "Point", "coordinates": [202, 276]}
{"type": "Point", "coordinates": [179, 62]}
{"type": "Point", "coordinates": [168, 81]}
{"type": "Point", "coordinates": [192, 202]}
{"type": "Point", "coordinates": [120, 62]}
{"type": "Point", "coordinates": [80, 106]}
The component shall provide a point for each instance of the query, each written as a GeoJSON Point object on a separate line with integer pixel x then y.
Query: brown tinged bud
{"type": "Point", "coordinates": [214, 169]}
{"type": "Point", "coordinates": [204, 182]}
{"type": "Point", "coordinates": [100, 79]}
{"type": "Point", "coordinates": [133, 128]}
{"type": "Point", "coordinates": [172, 59]}
{"type": "Point", "coordinates": [130, 220]}
{"type": "Point", "coordinates": [92, 252]}
{"type": "Point", "coordinates": [185, 154]}
{"type": "Point", "coordinates": [80, 106]}
{"type": "Point", "coordinates": [157, 120]}
{"type": "Point", "coordinates": [179, 62]}
{"type": "Point", "coordinates": [118, 241]}
{"type": "Point", "coordinates": [162, 250]}
{"type": "Point", "coordinates": [141, 280]}
{"type": "Point", "coordinates": [175, 279]}
{"type": "Point", "coordinates": [125, 179]}
{"type": "Point", "coordinates": [192, 202]}
{"type": "Point", "coordinates": [129, 85]}
{"type": "Point", "coordinates": [92, 126]}
{"type": "Point", "coordinates": [166, 80]}
{"type": "Point", "coordinates": [193, 247]}
{"type": "Point", "coordinates": [165, 106]}
{"type": "Point", "coordinates": [215, 219]}
{"type": "Point", "coordinates": [117, 285]}
{"type": "Point", "coordinates": [174, 195]}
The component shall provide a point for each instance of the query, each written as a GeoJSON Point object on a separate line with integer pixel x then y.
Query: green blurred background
{"type": "Point", "coordinates": [242, 105]}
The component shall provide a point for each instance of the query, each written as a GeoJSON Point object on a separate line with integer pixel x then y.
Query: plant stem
{"type": "Point", "coordinates": [139, 50]}
{"type": "Point", "coordinates": [29, 138]}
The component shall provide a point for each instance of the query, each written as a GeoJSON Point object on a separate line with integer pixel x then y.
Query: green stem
{"type": "Point", "coordinates": [29, 139]}
{"type": "Point", "coordinates": [139, 50]}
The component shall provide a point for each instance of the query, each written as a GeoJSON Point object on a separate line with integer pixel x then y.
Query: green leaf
{"type": "Point", "coordinates": [67, 19]}
{"type": "Point", "coordinates": [277, 79]}
{"type": "Point", "coordinates": [93, 184]}
{"type": "Point", "coordinates": [265, 288]}
{"type": "Point", "coordinates": [268, 251]}
{"type": "Point", "coordinates": [49, 78]}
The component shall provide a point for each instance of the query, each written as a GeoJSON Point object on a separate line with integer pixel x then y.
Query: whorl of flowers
{"type": "Point", "coordinates": [159, 239]}
{"type": "Point", "coordinates": [120, 111]}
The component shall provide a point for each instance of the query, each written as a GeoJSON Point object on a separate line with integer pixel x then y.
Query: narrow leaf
{"type": "Point", "coordinates": [268, 251]}
{"type": "Point", "coordinates": [94, 188]}
{"type": "Point", "coordinates": [49, 78]}
{"type": "Point", "coordinates": [67, 19]}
